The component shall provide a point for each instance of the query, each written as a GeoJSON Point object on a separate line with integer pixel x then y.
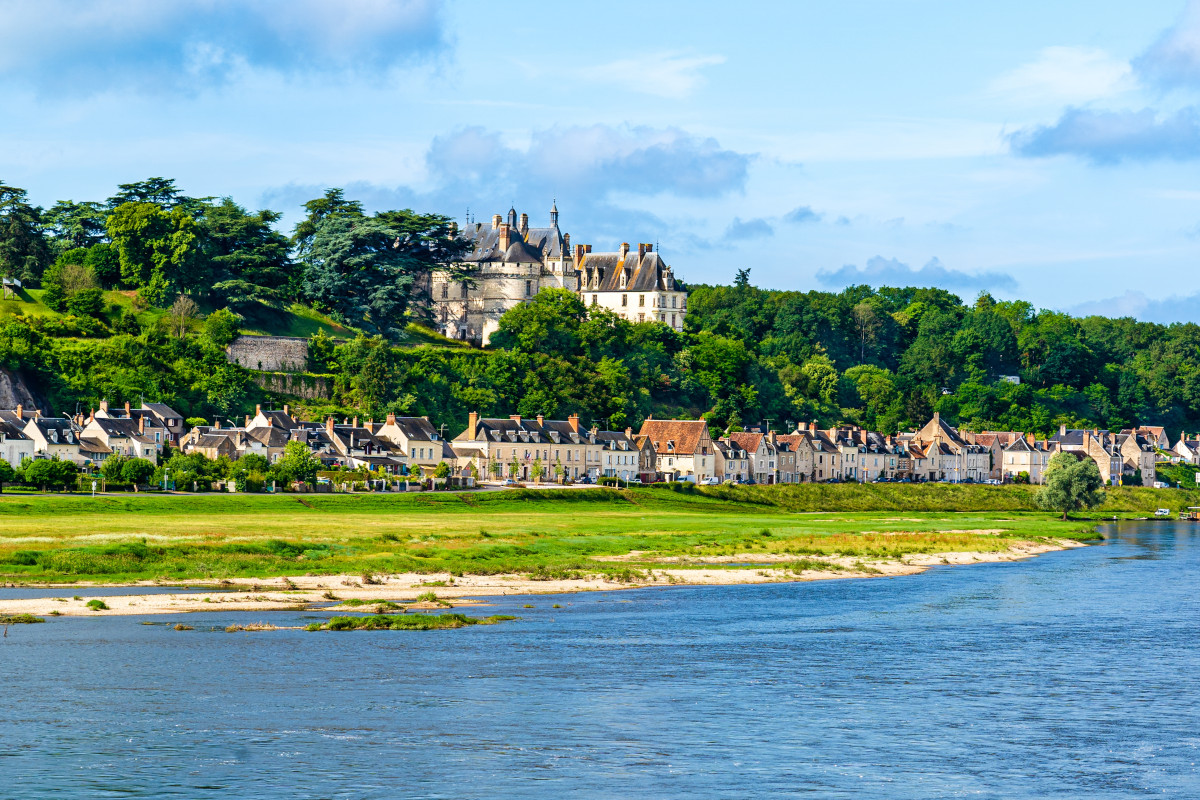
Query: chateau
{"type": "Point", "coordinates": [511, 262]}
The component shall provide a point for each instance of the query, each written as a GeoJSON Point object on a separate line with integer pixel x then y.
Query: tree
{"type": "Point", "coordinates": [297, 464]}
{"type": "Point", "coordinates": [537, 469]}
{"type": "Point", "coordinates": [24, 252]}
{"type": "Point", "coordinates": [7, 474]}
{"type": "Point", "coordinates": [159, 251]}
{"type": "Point", "coordinates": [514, 468]}
{"type": "Point", "coordinates": [494, 468]}
{"type": "Point", "coordinates": [250, 261]}
{"type": "Point", "coordinates": [1071, 484]}
{"type": "Point", "coordinates": [867, 324]}
{"type": "Point", "coordinates": [86, 303]}
{"type": "Point", "coordinates": [550, 323]}
{"type": "Point", "coordinates": [221, 327]}
{"type": "Point", "coordinates": [364, 270]}
{"type": "Point", "coordinates": [49, 473]}
{"type": "Point", "coordinates": [333, 203]}
{"type": "Point", "coordinates": [442, 470]}
{"type": "Point", "coordinates": [320, 351]}
{"type": "Point", "coordinates": [183, 310]}
{"type": "Point", "coordinates": [74, 225]}
{"type": "Point", "coordinates": [137, 471]}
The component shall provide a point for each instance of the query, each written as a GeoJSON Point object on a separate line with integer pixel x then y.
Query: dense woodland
{"type": "Point", "coordinates": [884, 358]}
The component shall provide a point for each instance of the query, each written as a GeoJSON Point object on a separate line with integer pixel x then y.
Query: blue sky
{"type": "Point", "coordinates": [1043, 151]}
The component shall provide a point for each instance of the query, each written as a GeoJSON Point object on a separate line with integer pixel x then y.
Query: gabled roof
{"type": "Point", "coordinates": [675, 436]}
{"type": "Point", "coordinates": [615, 440]}
{"type": "Point", "coordinates": [415, 429]}
{"type": "Point", "coordinates": [92, 445]}
{"type": "Point", "coordinates": [603, 272]}
{"type": "Point", "coordinates": [163, 410]}
{"type": "Point", "coordinates": [750, 442]}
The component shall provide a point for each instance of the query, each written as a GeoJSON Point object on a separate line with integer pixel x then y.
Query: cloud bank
{"type": "Point", "coordinates": [66, 47]}
{"type": "Point", "coordinates": [1137, 305]}
{"type": "Point", "coordinates": [1173, 60]}
{"type": "Point", "coordinates": [1109, 137]}
{"type": "Point", "coordinates": [740, 229]}
{"type": "Point", "coordinates": [598, 173]}
{"type": "Point", "coordinates": [881, 271]}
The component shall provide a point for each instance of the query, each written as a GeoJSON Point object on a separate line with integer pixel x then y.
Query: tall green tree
{"type": "Point", "coordinates": [73, 225]}
{"type": "Point", "coordinates": [1072, 484]}
{"type": "Point", "coordinates": [159, 251]}
{"type": "Point", "coordinates": [250, 261]}
{"type": "Point", "coordinates": [24, 251]}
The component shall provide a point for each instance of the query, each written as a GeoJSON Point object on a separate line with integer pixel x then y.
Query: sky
{"type": "Point", "coordinates": [1042, 151]}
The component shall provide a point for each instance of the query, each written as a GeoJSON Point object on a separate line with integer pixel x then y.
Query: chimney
{"type": "Point", "coordinates": [505, 236]}
{"type": "Point", "coordinates": [587, 248]}
{"type": "Point", "coordinates": [629, 432]}
{"type": "Point", "coordinates": [566, 243]}
{"type": "Point", "coordinates": [329, 426]}
{"type": "Point", "coordinates": [496, 221]}
{"type": "Point", "coordinates": [472, 423]}
{"type": "Point", "coordinates": [21, 412]}
{"type": "Point", "coordinates": [217, 423]}
{"type": "Point", "coordinates": [515, 418]}
{"type": "Point", "coordinates": [285, 410]}
{"type": "Point", "coordinates": [257, 410]}
{"type": "Point", "coordinates": [354, 422]}
{"type": "Point", "coordinates": [270, 422]}
{"type": "Point", "coordinates": [540, 420]}
{"type": "Point", "coordinates": [524, 223]}
{"type": "Point", "coordinates": [573, 421]}
{"type": "Point", "coordinates": [771, 437]}
{"type": "Point", "coordinates": [579, 251]}
{"type": "Point", "coordinates": [1062, 430]}
{"type": "Point", "coordinates": [128, 413]}
{"type": "Point", "coordinates": [247, 420]}
{"type": "Point", "coordinates": [624, 250]}
{"type": "Point", "coordinates": [141, 424]}
{"type": "Point", "coordinates": [91, 415]}
{"type": "Point", "coordinates": [649, 248]}
{"type": "Point", "coordinates": [391, 419]}
{"type": "Point", "coordinates": [104, 406]}
{"type": "Point", "coordinates": [641, 252]}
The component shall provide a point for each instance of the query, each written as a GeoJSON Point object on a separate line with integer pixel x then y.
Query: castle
{"type": "Point", "coordinates": [511, 262]}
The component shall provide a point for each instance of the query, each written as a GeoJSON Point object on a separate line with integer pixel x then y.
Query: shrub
{"type": "Point", "coordinates": [97, 605]}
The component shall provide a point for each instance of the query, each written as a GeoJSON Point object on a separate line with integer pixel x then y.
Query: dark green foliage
{"type": "Point", "coordinates": [1072, 484]}
{"type": "Point", "coordinates": [407, 622]}
{"type": "Point", "coordinates": [51, 474]}
{"type": "Point", "coordinates": [97, 605]}
{"type": "Point", "coordinates": [86, 302]}
{"type": "Point", "coordinates": [250, 261]}
{"type": "Point", "coordinates": [221, 327]}
{"type": "Point", "coordinates": [24, 251]}
{"type": "Point", "coordinates": [20, 619]}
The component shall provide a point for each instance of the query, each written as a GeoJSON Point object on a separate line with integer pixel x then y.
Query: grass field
{"type": "Point", "coordinates": [548, 534]}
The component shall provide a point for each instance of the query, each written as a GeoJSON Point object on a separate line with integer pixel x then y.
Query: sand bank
{"type": "Point", "coordinates": [299, 592]}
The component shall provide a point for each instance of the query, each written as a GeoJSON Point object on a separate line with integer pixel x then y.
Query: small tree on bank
{"type": "Point", "coordinates": [1071, 484]}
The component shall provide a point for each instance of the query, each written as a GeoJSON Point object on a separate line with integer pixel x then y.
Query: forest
{"type": "Point", "coordinates": [195, 271]}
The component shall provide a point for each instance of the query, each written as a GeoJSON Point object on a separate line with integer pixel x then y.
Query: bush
{"type": "Point", "coordinates": [86, 303]}
{"type": "Point", "coordinates": [97, 605]}
{"type": "Point", "coordinates": [221, 327]}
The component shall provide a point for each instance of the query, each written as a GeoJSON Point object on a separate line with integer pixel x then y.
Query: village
{"type": "Point", "coordinates": [535, 450]}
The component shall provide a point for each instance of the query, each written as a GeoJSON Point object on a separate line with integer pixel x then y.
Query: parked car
{"type": "Point", "coordinates": [637, 481]}
{"type": "Point", "coordinates": [713, 481]}
{"type": "Point", "coordinates": [1162, 512]}
{"type": "Point", "coordinates": [509, 482]}
{"type": "Point", "coordinates": [1161, 485]}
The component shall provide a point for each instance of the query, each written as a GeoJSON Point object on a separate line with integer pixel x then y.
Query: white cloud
{"type": "Point", "coordinates": [1066, 75]}
{"type": "Point", "coordinates": [660, 74]}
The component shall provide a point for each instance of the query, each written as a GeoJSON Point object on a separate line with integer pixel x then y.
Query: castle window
{"type": "Point", "coordinates": [528, 288]}
{"type": "Point", "coordinates": [672, 320]}
{"type": "Point", "coordinates": [595, 300]}
{"type": "Point", "coordinates": [674, 300]}
{"type": "Point", "coordinates": [641, 300]}
{"type": "Point", "coordinates": [641, 317]}
{"type": "Point", "coordinates": [464, 291]}
{"type": "Point", "coordinates": [445, 290]}
{"type": "Point", "coordinates": [624, 299]}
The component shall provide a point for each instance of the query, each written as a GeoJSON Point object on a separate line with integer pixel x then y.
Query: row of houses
{"type": "Point", "coordinates": [535, 448]}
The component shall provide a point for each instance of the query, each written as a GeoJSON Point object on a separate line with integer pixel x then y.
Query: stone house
{"type": "Point", "coordinates": [421, 444]}
{"type": "Point", "coordinates": [1027, 454]}
{"type": "Point", "coordinates": [763, 455]}
{"type": "Point", "coordinates": [118, 436]}
{"type": "Point", "coordinates": [683, 448]}
{"type": "Point", "coordinates": [1098, 445]}
{"type": "Point", "coordinates": [1138, 453]}
{"type": "Point", "coordinates": [733, 463]}
{"type": "Point", "coordinates": [525, 449]}
{"type": "Point", "coordinates": [148, 423]}
{"type": "Point", "coordinates": [636, 285]}
{"type": "Point", "coordinates": [803, 453]}
{"type": "Point", "coordinates": [624, 457]}
{"type": "Point", "coordinates": [54, 437]}
{"type": "Point", "coordinates": [1188, 449]}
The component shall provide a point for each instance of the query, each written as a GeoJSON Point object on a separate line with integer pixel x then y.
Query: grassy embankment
{"type": "Point", "coordinates": [545, 534]}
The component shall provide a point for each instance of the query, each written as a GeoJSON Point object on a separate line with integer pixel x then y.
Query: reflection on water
{"type": "Point", "coordinates": [1071, 675]}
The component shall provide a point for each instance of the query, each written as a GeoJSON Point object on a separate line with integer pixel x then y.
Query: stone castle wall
{"type": "Point", "coordinates": [269, 353]}
{"type": "Point", "coordinates": [304, 386]}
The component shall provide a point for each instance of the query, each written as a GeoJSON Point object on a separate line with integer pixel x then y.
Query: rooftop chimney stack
{"type": "Point", "coordinates": [128, 413]}
{"type": "Point", "coordinates": [524, 223]}
{"type": "Point", "coordinates": [541, 419]}
{"type": "Point", "coordinates": [329, 425]}
{"type": "Point", "coordinates": [624, 250]}
{"type": "Point", "coordinates": [391, 419]}
{"type": "Point", "coordinates": [641, 252]}
{"type": "Point", "coordinates": [496, 221]}
{"type": "Point", "coordinates": [573, 421]}
{"type": "Point", "coordinates": [505, 236]}
{"type": "Point", "coordinates": [21, 412]}
{"type": "Point", "coordinates": [472, 423]}
{"type": "Point", "coordinates": [104, 406]}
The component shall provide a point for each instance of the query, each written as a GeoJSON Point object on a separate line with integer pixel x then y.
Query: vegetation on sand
{"type": "Point", "coordinates": [405, 622]}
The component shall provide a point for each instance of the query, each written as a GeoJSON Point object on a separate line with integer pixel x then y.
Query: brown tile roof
{"type": "Point", "coordinates": [747, 441]}
{"type": "Point", "coordinates": [685, 433]}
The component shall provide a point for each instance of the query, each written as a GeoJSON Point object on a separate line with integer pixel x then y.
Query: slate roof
{"type": "Point", "coordinates": [163, 410]}
{"type": "Point", "coordinates": [683, 434]}
{"type": "Point", "coordinates": [57, 430]}
{"type": "Point", "coordinates": [13, 431]}
{"type": "Point", "coordinates": [94, 446]}
{"type": "Point", "coordinates": [602, 272]}
{"type": "Point", "coordinates": [616, 440]}
{"type": "Point", "coordinates": [536, 245]}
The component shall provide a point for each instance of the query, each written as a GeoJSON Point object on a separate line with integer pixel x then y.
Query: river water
{"type": "Point", "coordinates": [1071, 675]}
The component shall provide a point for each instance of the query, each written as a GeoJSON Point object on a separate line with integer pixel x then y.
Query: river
{"type": "Point", "coordinates": [1074, 674]}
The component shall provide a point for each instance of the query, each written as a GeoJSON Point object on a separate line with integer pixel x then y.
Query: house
{"type": "Point", "coordinates": [1156, 435]}
{"type": "Point", "coordinates": [1188, 449]}
{"type": "Point", "coordinates": [1026, 454]}
{"type": "Point", "coordinates": [1138, 454]}
{"type": "Point", "coordinates": [55, 437]}
{"type": "Point", "coordinates": [523, 449]}
{"type": "Point", "coordinates": [358, 447]}
{"type": "Point", "coordinates": [623, 457]}
{"type": "Point", "coordinates": [106, 436]}
{"type": "Point", "coordinates": [421, 444]}
{"type": "Point", "coordinates": [762, 453]}
{"type": "Point", "coordinates": [15, 444]}
{"type": "Point", "coordinates": [733, 463]}
{"type": "Point", "coordinates": [148, 424]}
{"type": "Point", "coordinates": [1098, 445]}
{"type": "Point", "coordinates": [170, 419]}
{"type": "Point", "coordinates": [648, 459]}
{"type": "Point", "coordinates": [949, 455]}
{"type": "Point", "coordinates": [635, 285]}
{"type": "Point", "coordinates": [995, 442]}
{"type": "Point", "coordinates": [803, 454]}
{"type": "Point", "coordinates": [683, 448]}
{"type": "Point", "coordinates": [272, 418]}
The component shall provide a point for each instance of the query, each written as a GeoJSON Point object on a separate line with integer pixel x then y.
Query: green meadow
{"type": "Point", "coordinates": [540, 533]}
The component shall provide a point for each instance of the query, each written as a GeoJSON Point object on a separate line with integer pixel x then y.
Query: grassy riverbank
{"type": "Point", "coordinates": [538, 534]}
